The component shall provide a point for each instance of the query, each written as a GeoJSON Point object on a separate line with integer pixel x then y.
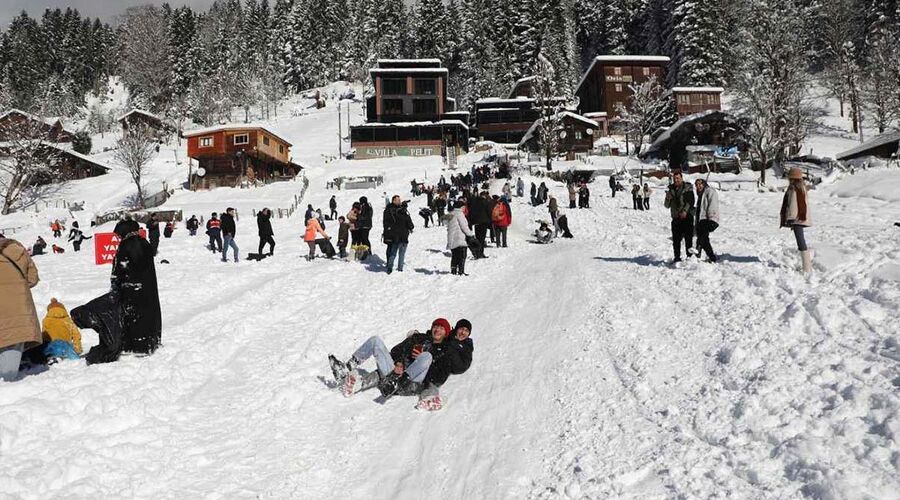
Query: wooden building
{"type": "Point", "coordinates": [690, 100]}
{"type": "Point", "coordinates": [146, 118]}
{"type": "Point", "coordinates": [522, 88]}
{"type": "Point", "coordinates": [886, 146]}
{"type": "Point", "coordinates": [504, 121]}
{"type": "Point", "coordinates": [228, 155]}
{"type": "Point", "coordinates": [576, 134]}
{"type": "Point", "coordinates": [606, 82]}
{"type": "Point", "coordinates": [16, 123]}
{"type": "Point", "coordinates": [409, 113]}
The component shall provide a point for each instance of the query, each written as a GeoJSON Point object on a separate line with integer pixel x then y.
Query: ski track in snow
{"type": "Point", "coordinates": [599, 370]}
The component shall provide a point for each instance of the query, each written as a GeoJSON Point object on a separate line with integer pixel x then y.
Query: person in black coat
{"type": "Point", "coordinates": [153, 232]}
{"type": "Point", "coordinates": [332, 205]}
{"type": "Point", "coordinates": [128, 318]}
{"type": "Point", "coordinates": [264, 224]}
{"type": "Point", "coordinates": [77, 237]}
{"type": "Point", "coordinates": [480, 216]}
{"type": "Point", "coordinates": [397, 226]}
{"type": "Point", "coordinates": [364, 225]}
{"type": "Point", "coordinates": [228, 232]}
{"type": "Point", "coordinates": [193, 225]}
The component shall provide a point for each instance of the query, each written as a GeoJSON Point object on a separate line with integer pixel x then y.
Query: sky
{"type": "Point", "coordinates": [104, 9]}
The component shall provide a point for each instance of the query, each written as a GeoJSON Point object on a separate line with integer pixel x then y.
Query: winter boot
{"type": "Point", "coordinates": [430, 403]}
{"type": "Point", "coordinates": [392, 383]}
{"type": "Point", "coordinates": [806, 257]}
{"type": "Point", "coordinates": [339, 369]}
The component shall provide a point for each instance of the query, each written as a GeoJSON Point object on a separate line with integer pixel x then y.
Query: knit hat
{"type": "Point", "coordinates": [442, 322]}
{"type": "Point", "coordinates": [55, 303]}
{"type": "Point", "coordinates": [464, 323]}
{"type": "Point", "coordinates": [795, 173]}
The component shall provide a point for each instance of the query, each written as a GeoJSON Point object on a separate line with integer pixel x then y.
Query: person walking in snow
{"type": "Point", "coordinates": [506, 190]}
{"type": "Point", "coordinates": [313, 229]}
{"type": "Point", "coordinates": [534, 199]}
{"type": "Point", "coordinates": [419, 360]}
{"type": "Point", "coordinates": [332, 205]}
{"type": "Point", "coordinates": [637, 198]}
{"type": "Point", "coordinates": [77, 237]}
{"type": "Point", "coordinates": [364, 225]}
{"type": "Point", "coordinates": [680, 202]}
{"type": "Point", "coordinates": [153, 232]}
{"type": "Point", "coordinates": [397, 226]}
{"type": "Point", "coordinates": [707, 211]}
{"type": "Point", "coordinates": [229, 230]}
{"type": "Point", "coordinates": [520, 187]}
{"type": "Point", "coordinates": [501, 217]}
{"type": "Point", "coordinates": [646, 196]}
{"type": "Point", "coordinates": [214, 231]}
{"type": "Point", "coordinates": [264, 225]}
{"type": "Point", "coordinates": [440, 206]}
{"type": "Point", "coordinates": [19, 329]}
{"type": "Point", "coordinates": [584, 196]}
{"type": "Point", "coordinates": [192, 225]}
{"type": "Point", "coordinates": [57, 228]}
{"type": "Point", "coordinates": [613, 185]}
{"type": "Point", "coordinates": [553, 208]}
{"type": "Point", "coordinates": [795, 214]}
{"type": "Point", "coordinates": [457, 232]}
{"type": "Point", "coordinates": [343, 236]}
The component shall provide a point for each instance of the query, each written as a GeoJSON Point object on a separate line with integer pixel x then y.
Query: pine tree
{"type": "Point", "coordinates": [699, 62]}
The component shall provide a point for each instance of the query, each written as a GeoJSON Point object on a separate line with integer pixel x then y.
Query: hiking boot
{"type": "Point", "coordinates": [390, 384]}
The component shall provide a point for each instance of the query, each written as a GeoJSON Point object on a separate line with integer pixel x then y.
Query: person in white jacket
{"type": "Point", "coordinates": [457, 232]}
{"type": "Point", "coordinates": [707, 217]}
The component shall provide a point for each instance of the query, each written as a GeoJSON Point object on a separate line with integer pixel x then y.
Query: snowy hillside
{"type": "Point", "coordinates": [599, 370]}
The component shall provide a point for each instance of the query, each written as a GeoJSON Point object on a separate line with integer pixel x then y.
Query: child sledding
{"type": "Point", "coordinates": [417, 366]}
{"type": "Point", "coordinates": [544, 233]}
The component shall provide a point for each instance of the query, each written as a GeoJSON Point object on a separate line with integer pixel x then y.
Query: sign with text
{"type": "Point", "coordinates": [365, 153]}
{"type": "Point", "coordinates": [106, 245]}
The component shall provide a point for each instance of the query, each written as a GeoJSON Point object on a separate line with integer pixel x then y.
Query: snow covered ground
{"type": "Point", "coordinates": [599, 370]}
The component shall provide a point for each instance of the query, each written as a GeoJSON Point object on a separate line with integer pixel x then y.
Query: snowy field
{"type": "Point", "coordinates": [599, 371]}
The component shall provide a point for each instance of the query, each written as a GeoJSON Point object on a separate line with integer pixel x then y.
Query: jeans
{"type": "Point", "coordinates": [374, 346]}
{"type": "Point", "coordinates": [682, 229]}
{"type": "Point", "coordinates": [501, 236]}
{"type": "Point", "coordinates": [705, 227]}
{"type": "Point", "coordinates": [801, 239]}
{"type": "Point", "coordinates": [266, 239]}
{"type": "Point", "coordinates": [10, 357]}
{"type": "Point", "coordinates": [397, 250]}
{"type": "Point", "coordinates": [229, 242]}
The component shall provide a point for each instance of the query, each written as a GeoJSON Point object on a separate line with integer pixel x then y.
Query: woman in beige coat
{"type": "Point", "coordinates": [19, 327]}
{"type": "Point", "coordinates": [795, 214]}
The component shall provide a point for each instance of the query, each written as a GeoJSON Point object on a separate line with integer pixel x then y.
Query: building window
{"type": "Point", "coordinates": [206, 142]}
{"type": "Point", "coordinates": [684, 99]}
{"type": "Point", "coordinates": [646, 71]}
{"type": "Point", "coordinates": [240, 139]}
{"type": "Point", "coordinates": [425, 106]}
{"type": "Point", "coordinates": [265, 140]}
{"type": "Point", "coordinates": [618, 104]}
{"type": "Point", "coordinates": [393, 86]}
{"type": "Point", "coordinates": [426, 86]}
{"type": "Point", "coordinates": [392, 106]}
{"type": "Point", "coordinates": [281, 148]}
{"type": "Point", "coordinates": [577, 135]}
{"type": "Point", "coordinates": [618, 87]}
{"type": "Point", "coordinates": [617, 71]}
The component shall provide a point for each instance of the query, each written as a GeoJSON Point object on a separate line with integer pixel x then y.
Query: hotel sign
{"type": "Point", "coordinates": [618, 78]}
{"type": "Point", "coordinates": [365, 153]}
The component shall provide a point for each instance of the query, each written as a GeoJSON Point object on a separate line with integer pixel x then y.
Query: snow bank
{"type": "Point", "coordinates": [880, 184]}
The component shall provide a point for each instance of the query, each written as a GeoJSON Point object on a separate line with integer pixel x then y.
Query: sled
{"type": "Point", "coordinates": [257, 256]}
{"type": "Point", "coordinates": [326, 248]}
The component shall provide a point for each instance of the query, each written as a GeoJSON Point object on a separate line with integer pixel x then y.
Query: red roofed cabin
{"type": "Point", "coordinates": [232, 154]}
{"type": "Point", "coordinates": [690, 100]}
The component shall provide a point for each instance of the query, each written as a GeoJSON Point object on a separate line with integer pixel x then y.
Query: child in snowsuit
{"type": "Point", "coordinates": [543, 233]}
{"type": "Point", "coordinates": [343, 236]}
{"type": "Point", "coordinates": [61, 339]}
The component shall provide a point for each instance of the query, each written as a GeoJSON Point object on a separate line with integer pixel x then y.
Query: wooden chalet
{"type": "Point", "coordinates": [409, 113]}
{"type": "Point", "coordinates": [690, 100]}
{"type": "Point", "coordinates": [606, 82]}
{"type": "Point", "coordinates": [886, 146]}
{"type": "Point", "coordinates": [522, 88]}
{"type": "Point", "coordinates": [147, 119]}
{"type": "Point", "coordinates": [575, 131]}
{"type": "Point", "coordinates": [229, 155]}
{"type": "Point", "coordinates": [504, 121]}
{"type": "Point", "coordinates": [21, 124]}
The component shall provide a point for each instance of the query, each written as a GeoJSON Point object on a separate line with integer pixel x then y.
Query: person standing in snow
{"type": "Point", "coordinates": [680, 202]}
{"type": "Point", "coordinates": [584, 196]}
{"type": "Point", "coordinates": [77, 237]}
{"type": "Point", "coordinates": [153, 232]}
{"type": "Point", "coordinates": [501, 217]}
{"type": "Point", "coordinates": [646, 196]}
{"type": "Point", "coordinates": [573, 194]}
{"type": "Point", "coordinates": [637, 199]}
{"type": "Point", "coordinates": [19, 329]}
{"type": "Point", "coordinates": [264, 225]}
{"type": "Point", "coordinates": [795, 214]}
{"type": "Point", "coordinates": [229, 229]}
{"type": "Point", "coordinates": [332, 205]}
{"type": "Point", "coordinates": [534, 199]}
{"type": "Point", "coordinates": [308, 214]}
{"type": "Point", "coordinates": [707, 217]}
{"type": "Point", "coordinates": [193, 225]}
{"type": "Point", "coordinates": [520, 187]}
{"type": "Point", "coordinates": [553, 208]}
{"type": "Point", "coordinates": [352, 216]}
{"type": "Point", "coordinates": [457, 232]}
{"type": "Point", "coordinates": [364, 225]}
{"type": "Point", "coordinates": [479, 216]}
{"type": "Point", "coordinates": [613, 185]}
{"type": "Point", "coordinates": [313, 229]}
{"type": "Point", "coordinates": [440, 205]}
{"type": "Point", "coordinates": [343, 236]}
{"type": "Point", "coordinates": [214, 231]}
{"type": "Point", "coordinates": [397, 226]}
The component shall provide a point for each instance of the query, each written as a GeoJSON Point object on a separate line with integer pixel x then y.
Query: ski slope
{"type": "Point", "coordinates": [599, 371]}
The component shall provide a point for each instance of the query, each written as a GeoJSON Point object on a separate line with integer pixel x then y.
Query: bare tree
{"type": "Point", "coordinates": [134, 151]}
{"type": "Point", "coordinates": [28, 163]}
{"type": "Point", "coordinates": [549, 105]}
{"type": "Point", "coordinates": [648, 108]}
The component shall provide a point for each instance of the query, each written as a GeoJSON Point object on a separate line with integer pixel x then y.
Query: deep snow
{"type": "Point", "coordinates": [599, 371]}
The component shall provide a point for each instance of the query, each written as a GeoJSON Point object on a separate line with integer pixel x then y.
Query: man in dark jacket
{"type": "Point", "coordinates": [153, 232]}
{"type": "Point", "coordinates": [680, 202]}
{"type": "Point", "coordinates": [193, 225]}
{"type": "Point", "coordinates": [421, 359]}
{"type": "Point", "coordinates": [127, 318]}
{"type": "Point", "coordinates": [214, 231]}
{"type": "Point", "coordinates": [264, 224]}
{"type": "Point", "coordinates": [459, 363]}
{"type": "Point", "coordinates": [480, 216]}
{"type": "Point", "coordinates": [397, 226]}
{"type": "Point", "coordinates": [332, 205]}
{"type": "Point", "coordinates": [364, 225]}
{"type": "Point", "coordinates": [228, 231]}
{"type": "Point", "coordinates": [612, 184]}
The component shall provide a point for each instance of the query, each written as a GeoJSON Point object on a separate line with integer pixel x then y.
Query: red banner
{"type": "Point", "coordinates": [106, 245]}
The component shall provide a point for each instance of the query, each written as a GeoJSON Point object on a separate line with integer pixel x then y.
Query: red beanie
{"type": "Point", "coordinates": [442, 322]}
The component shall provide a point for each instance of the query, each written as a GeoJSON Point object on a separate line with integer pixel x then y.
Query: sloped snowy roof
{"type": "Point", "coordinates": [564, 114]}
{"type": "Point", "coordinates": [408, 70]}
{"type": "Point", "coordinates": [499, 100]}
{"type": "Point", "coordinates": [698, 89]}
{"type": "Point", "coordinates": [410, 61]}
{"type": "Point", "coordinates": [140, 112]}
{"type": "Point", "coordinates": [66, 148]}
{"type": "Point", "coordinates": [610, 58]}
{"type": "Point", "coordinates": [881, 140]}
{"type": "Point", "coordinates": [414, 124]}
{"type": "Point", "coordinates": [233, 126]}
{"type": "Point", "coordinates": [48, 121]}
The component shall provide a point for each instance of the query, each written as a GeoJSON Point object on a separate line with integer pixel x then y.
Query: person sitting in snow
{"type": "Point", "coordinates": [543, 233]}
{"type": "Point", "coordinates": [419, 360]}
{"type": "Point", "coordinates": [39, 246]}
{"type": "Point", "coordinates": [61, 339]}
{"type": "Point", "coordinates": [429, 397]}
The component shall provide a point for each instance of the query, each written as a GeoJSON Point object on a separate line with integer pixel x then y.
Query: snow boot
{"type": "Point", "coordinates": [339, 369]}
{"type": "Point", "coordinates": [351, 383]}
{"type": "Point", "coordinates": [806, 257]}
{"type": "Point", "coordinates": [392, 383]}
{"type": "Point", "coordinates": [430, 403]}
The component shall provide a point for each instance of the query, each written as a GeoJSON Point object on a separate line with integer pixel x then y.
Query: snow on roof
{"type": "Point", "coordinates": [408, 70]}
{"type": "Point", "coordinates": [698, 89]}
{"type": "Point", "coordinates": [409, 61]}
{"type": "Point", "coordinates": [48, 121]}
{"type": "Point", "coordinates": [138, 111]}
{"type": "Point", "coordinates": [596, 114]}
{"type": "Point", "coordinates": [499, 109]}
{"type": "Point", "coordinates": [881, 140]}
{"type": "Point", "coordinates": [490, 100]}
{"type": "Point", "coordinates": [563, 114]}
{"type": "Point", "coordinates": [610, 58]}
{"type": "Point", "coordinates": [414, 124]}
{"type": "Point", "coordinates": [233, 126]}
{"type": "Point", "coordinates": [67, 149]}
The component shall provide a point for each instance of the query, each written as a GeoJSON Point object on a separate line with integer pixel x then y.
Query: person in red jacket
{"type": "Point", "coordinates": [501, 217]}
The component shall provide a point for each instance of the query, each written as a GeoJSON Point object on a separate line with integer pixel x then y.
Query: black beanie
{"type": "Point", "coordinates": [464, 323]}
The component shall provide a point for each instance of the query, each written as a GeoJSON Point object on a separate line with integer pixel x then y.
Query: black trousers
{"type": "Point", "coordinates": [481, 233]}
{"type": "Point", "coordinates": [458, 260]}
{"type": "Point", "coordinates": [613, 192]}
{"type": "Point", "coordinates": [571, 203]}
{"type": "Point", "coordinates": [646, 203]}
{"type": "Point", "coordinates": [682, 229]}
{"type": "Point", "coordinates": [501, 236]}
{"type": "Point", "coordinates": [363, 237]}
{"type": "Point", "coordinates": [440, 217]}
{"type": "Point", "coordinates": [266, 239]}
{"type": "Point", "coordinates": [705, 227]}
